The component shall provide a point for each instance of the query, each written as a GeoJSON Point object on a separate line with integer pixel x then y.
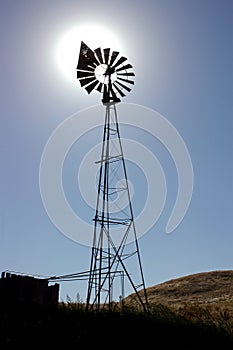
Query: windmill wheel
{"type": "Point", "coordinates": [105, 72]}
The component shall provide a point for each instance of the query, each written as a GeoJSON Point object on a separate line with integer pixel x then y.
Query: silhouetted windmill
{"type": "Point", "coordinates": [115, 244]}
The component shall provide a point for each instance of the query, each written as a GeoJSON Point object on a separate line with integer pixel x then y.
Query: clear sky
{"type": "Point", "coordinates": [182, 54]}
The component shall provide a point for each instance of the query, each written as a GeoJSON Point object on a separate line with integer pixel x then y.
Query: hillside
{"type": "Point", "coordinates": [202, 288]}
{"type": "Point", "coordinates": [205, 298]}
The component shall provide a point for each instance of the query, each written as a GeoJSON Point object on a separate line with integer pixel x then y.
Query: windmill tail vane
{"type": "Point", "coordinates": [104, 71]}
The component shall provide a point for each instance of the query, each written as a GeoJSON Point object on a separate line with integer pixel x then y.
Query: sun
{"type": "Point", "coordinates": [67, 50]}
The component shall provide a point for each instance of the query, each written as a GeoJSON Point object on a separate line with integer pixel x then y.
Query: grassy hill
{"type": "Point", "coordinates": [204, 288]}
{"type": "Point", "coordinates": [204, 298]}
{"type": "Point", "coordinates": [191, 312]}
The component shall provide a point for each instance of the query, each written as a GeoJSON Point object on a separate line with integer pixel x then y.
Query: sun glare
{"type": "Point", "coordinates": [68, 47]}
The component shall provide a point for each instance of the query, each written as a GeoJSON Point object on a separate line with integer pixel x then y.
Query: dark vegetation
{"type": "Point", "coordinates": [69, 325]}
{"type": "Point", "coordinates": [192, 325]}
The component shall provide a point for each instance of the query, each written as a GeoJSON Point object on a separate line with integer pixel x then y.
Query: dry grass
{"type": "Point", "coordinates": [204, 298]}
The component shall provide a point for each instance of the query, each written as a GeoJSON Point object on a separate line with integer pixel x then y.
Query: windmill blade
{"type": "Point", "coordinates": [86, 69]}
{"type": "Point", "coordinates": [126, 80]}
{"type": "Point", "coordinates": [91, 87]}
{"type": "Point", "coordinates": [119, 90]}
{"type": "Point", "coordinates": [113, 57]}
{"type": "Point", "coordinates": [106, 55]}
{"type": "Point", "coordinates": [99, 55]}
{"type": "Point", "coordinates": [120, 61]}
{"type": "Point", "coordinates": [99, 87]}
{"type": "Point", "coordinates": [127, 66]}
{"type": "Point", "coordinates": [83, 74]}
{"type": "Point", "coordinates": [86, 81]}
{"type": "Point", "coordinates": [124, 86]}
{"type": "Point", "coordinates": [130, 74]}
{"type": "Point", "coordinates": [86, 57]}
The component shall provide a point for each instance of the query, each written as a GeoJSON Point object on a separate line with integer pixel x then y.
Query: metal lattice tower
{"type": "Point", "coordinates": [115, 249]}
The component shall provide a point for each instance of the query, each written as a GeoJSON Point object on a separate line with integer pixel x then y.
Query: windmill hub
{"type": "Point", "coordinates": [104, 74]}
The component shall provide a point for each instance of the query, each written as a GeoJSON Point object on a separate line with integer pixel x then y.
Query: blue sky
{"type": "Point", "coordinates": [182, 55]}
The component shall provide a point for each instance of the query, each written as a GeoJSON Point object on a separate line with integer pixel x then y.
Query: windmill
{"type": "Point", "coordinates": [115, 245]}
